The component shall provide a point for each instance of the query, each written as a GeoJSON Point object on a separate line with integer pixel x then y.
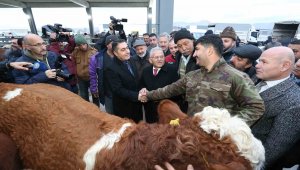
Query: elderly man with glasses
{"type": "Point", "coordinates": [44, 66]}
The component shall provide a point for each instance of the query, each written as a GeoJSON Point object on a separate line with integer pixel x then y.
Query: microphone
{"type": "Point", "coordinates": [112, 18]}
{"type": "Point", "coordinates": [38, 67]}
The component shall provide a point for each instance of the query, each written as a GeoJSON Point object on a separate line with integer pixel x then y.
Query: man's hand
{"type": "Point", "coordinates": [20, 65]}
{"type": "Point", "coordinates": [143, 95]}
{"type": "Point", "coordinates": [95, 95]}
{"type": "Point", "coordinates": [53, 35]}
{"type": "Point", "coordinates": [170, 167]}
{"type": "Point", "coordinates": [60, 79]}
{"type": "Point", "coordinates": [51, 74]}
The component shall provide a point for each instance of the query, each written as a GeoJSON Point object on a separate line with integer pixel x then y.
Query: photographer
{"type": "Point", "coordinates": [60, 49]}
{"type": "Point", "coordinates": [44, 68]}
{"type": "Point", "coordinates": [115, 28]}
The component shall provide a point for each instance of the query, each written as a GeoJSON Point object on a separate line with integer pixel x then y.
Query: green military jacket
{"type": "Point", "coordinates": [222, 87]}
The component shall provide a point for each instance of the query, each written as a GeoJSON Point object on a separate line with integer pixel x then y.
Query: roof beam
{"type": "Point", "coordinates": [13, 3]}
{"type": "Point", "coordinates": [119, 4]}
{"type": "Point", "coordinates": [82, 3]}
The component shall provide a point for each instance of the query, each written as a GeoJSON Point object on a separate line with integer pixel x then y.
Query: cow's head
{"type": "Point", "coordinates": [218, 123]}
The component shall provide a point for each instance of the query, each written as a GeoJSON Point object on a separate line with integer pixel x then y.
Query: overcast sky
{"type": "Point", "coordinates": [229, 11]}
{"type": "Point", "coordinates": [236, 11]}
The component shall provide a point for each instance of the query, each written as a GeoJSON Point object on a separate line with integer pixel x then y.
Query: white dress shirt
{"type": "Point", "coordinates": [271, 84]}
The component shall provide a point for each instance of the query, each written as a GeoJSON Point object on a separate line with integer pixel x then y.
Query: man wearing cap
{"type": "Point", "coordinates": [141, 58]}
{"type": "Point", "coordinates": [98, 65]}
{"type": "Point", "coordinates": [244, 59]}
{"type": "Point", "coordinates": [185, 44]}
{"type": "Point", "coordinates": [81, 56]}
{"type": "Point", "coordinates": [229, 37]}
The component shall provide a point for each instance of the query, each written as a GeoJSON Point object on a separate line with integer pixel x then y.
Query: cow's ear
{"type": "Point", "coordinates": [168, 110]}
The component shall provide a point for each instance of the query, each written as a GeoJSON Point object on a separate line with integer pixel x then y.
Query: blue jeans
{"type": "Point", "coordinates": [84, 89]}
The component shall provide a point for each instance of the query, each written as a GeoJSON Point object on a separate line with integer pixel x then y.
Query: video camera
{"type": "Point", "coordinates": [58, 29]}
{"type": "Point", "coordinates": [117, 23]}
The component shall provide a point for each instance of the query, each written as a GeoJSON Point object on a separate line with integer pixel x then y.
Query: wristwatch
{"type": "Point", "coordinates": [8, 66]}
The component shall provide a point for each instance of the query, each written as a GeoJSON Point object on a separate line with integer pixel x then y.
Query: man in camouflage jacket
{"type": "Point", "coordinates": [216, 84]}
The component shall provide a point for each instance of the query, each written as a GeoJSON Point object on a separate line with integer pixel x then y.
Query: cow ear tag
{"type": "Point", "coordinates": [175, 122]}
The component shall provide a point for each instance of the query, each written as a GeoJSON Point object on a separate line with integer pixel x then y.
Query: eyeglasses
{"type": "Point", "coordinates": [39, 44]}
{"type": "Point", "coordinates": [158, 57]}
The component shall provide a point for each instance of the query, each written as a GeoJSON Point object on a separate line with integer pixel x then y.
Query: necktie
{"type": "Point", "coordinates": [260, 85]}
{"type": "Point", "coordinates": [155, 71]}
{"type": "Point", "coordinates": [129, 67]}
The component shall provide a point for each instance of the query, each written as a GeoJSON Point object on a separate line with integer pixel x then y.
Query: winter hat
{"type": "Point", "coordinates": [138, 42]}
{"type": "Point", "coordinates": [183, 34]}
{"type": "Point", "coordinates": [110, 39]}
{"type": "Point", "coordinates": [248, 51]}
{"type": "Point", "coordinates": [79, 39]}
{"type": "Point", "coordinates": [208, 32]}
{"type": "Point", "coordinates": [228, 32]}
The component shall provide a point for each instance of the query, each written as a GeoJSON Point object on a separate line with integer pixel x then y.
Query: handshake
{"type": "Point", "coordinates": [143, 95]}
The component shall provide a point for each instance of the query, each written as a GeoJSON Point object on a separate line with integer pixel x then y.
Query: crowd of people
{"type": "Point", "coordinates": [130, 79]}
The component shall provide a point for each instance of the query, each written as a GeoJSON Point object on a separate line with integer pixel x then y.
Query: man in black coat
{"type": "Point", "coordinates": [244, 59]}
{"type": "Point", "coordinates": [185, 44]}
{"type": "Point", "coordinates": [123, 79]}
{"type": "Point", "coordinates": [156, 76]}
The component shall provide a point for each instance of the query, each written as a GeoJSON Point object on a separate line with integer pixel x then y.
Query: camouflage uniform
{"type": "Point", "coordinates": [223, 87]}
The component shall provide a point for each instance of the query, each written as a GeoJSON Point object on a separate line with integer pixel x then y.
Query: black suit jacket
{"type": "Point", "coordinates": [166, 75]}
{"type": "Point", "coordinates": [125, 89]}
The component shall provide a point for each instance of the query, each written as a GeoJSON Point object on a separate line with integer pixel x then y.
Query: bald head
{"type": "Point", "coordinates": [31, 39]}
{"type": "Point", "coordinates": [281, 53]}
{"type": "Point", "coordinates": [35, 45]}
{"type": "Point", "coordinates": [275, 63]}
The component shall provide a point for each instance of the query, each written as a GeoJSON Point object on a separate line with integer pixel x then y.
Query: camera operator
{"type": "Point", "coordinates": [60, 49]}
{"type": "Point", "coordinates": [11, 55]}
{"type": "Point", "coordinates": [44, 69]}
{"type": "Point", "coordinates": [115, 28]}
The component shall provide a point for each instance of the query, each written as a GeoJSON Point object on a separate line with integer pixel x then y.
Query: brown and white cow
{"type": "Point", "coordinates": [56, 129]}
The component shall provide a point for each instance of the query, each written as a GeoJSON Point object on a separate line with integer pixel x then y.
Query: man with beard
{"type": "Point", "coordinates": [215, 84]}
{"type": "Point", "coordinates": [153, 41]}
{"type": "Point", "coordinates": [141, 58]}
{"type": "Point", "coordinates": [163, 43]}
{"type": "Point", "coordinates": [244, 59]}
{"type": "Point", "coordinates": [229, 42]}
{"type": "Point", "coordinates": [44, 69]}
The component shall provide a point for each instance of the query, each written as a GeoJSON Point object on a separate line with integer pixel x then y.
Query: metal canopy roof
{"type": "Point", "coordinates": [72, 3]}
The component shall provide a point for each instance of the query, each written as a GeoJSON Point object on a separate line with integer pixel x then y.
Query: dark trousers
{"type": "Point", "coordinates": [84, 91]}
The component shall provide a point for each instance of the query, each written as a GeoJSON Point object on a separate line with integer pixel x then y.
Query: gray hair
{"type": "Point", "coordinates": [165, 34]}
{"type": "Point", "coordinates": [154, 50]}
